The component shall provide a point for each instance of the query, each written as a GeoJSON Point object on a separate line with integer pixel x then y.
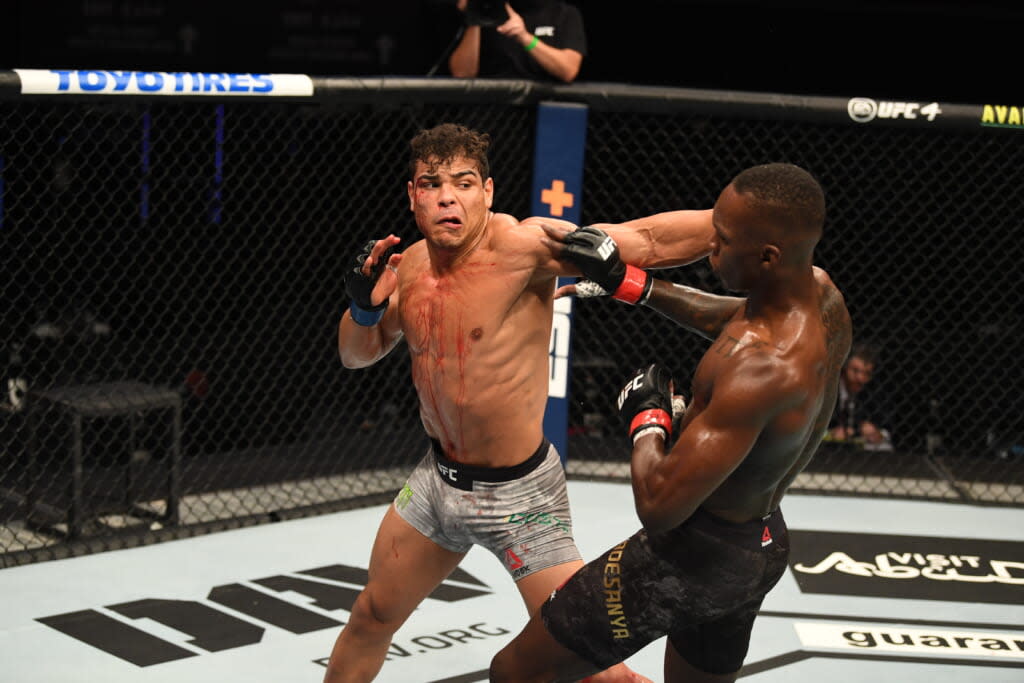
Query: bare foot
{"type": "Point", "coordinates": [620, 673]}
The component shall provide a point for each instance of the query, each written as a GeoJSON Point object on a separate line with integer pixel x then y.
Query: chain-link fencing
{"type": "Point", "coordinates": [922, 236]}
{"type": "Point", "coordinates": [172, 275]}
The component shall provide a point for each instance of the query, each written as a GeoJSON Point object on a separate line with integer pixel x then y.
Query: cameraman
{"type": "Point", "coordinates": [538, 39]}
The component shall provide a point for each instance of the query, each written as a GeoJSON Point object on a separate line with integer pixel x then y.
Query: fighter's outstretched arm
{"type": "Point", "coordinates": [663, 240]}
{"type": "Point", "coordinates": [599, 257]}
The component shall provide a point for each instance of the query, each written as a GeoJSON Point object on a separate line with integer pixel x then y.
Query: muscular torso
{"type": "Point", "coordinates": [811, 345]}
{"type": "Point", "coordinates": [478, 336]}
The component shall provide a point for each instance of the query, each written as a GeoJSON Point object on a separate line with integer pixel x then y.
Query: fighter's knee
{"type": "Point", "coordinates": [371, 612]}
{"type": "Point", "coordinates": [503, 668]}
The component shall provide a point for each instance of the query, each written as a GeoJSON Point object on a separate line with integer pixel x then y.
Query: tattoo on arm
{"type": "Point", "coordinates": [839, 336]}
{"type": "Point", "coordinates": [697, 310]}
{"type": "Point", "coordinates": [838, 332]}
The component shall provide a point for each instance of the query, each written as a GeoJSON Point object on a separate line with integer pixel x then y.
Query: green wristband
{"type": "Point", "coordinates": [532, 44]}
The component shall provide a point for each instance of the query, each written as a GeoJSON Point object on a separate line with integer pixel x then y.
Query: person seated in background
{"type": "Point", "coordinates": [535, 39]}
{"type": "Point", "coordinates": [855, 418]}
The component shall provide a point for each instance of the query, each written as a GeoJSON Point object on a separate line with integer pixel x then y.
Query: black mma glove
{"type": "Point", "coordinates": [646, 401]}
{"type": "Point", "coordinates": [595, 253]}
{"type": "Point", "coordinates": [360, 287]}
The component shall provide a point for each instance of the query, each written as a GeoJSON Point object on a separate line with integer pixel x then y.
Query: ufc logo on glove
{"type": "Point", "coordinates": [637, 383]}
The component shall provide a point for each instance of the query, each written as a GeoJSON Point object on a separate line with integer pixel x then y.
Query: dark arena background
{"type": "Point", "coordinates": [172, 261]}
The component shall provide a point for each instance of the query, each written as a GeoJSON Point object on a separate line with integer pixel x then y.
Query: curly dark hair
{"type": "Point", "coordinates": [443, 143]}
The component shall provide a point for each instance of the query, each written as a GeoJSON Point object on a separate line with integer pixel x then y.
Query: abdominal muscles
{"type": "Point", "coordinates": [479, 396]}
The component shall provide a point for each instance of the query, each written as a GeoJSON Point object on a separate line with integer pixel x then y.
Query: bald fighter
{"type": "Point", "coordinates": [713, 541]}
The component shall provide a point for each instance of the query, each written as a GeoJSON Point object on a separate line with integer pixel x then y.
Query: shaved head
{"type": "Point", "coordinates": [787, 208]}
{"type": "Point", "coordinates": [790, 199]}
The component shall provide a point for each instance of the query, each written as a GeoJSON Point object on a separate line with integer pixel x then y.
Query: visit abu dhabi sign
{"type": "Point", "coordinates": [911, 567]}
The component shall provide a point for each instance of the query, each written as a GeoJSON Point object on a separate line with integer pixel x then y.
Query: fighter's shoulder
{"type": "Point", "coordinates": [833, 303]}
{"type": "Point", "coordinates": [756, 378]}
{"type": "Point", "coordinates": [747, 353]}
{"type": "Point", "coordinates": [503, 221]}
{"type": "Point", "coordinates": [413, 257]}
{"type": "Point", "coordinates": [499, 225]}
{"type": "Point", "coordinates": [416, 250]}
{"type": "Point", "coordinates": [526, 232]}
{"type": "Point", "coordinates": [534, 224]}
{"type": "Point", "coordinates": [825, 282]}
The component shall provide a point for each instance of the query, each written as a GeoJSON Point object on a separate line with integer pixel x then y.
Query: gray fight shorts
{"type": "Point", "coordinates": [519, 513]}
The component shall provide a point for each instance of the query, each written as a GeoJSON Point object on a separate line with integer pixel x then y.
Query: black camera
{"type": "Point", "coordinates": [486, 12]}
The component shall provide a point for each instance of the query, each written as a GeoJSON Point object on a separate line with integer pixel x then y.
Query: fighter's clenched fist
{"type": "Point", "coordinates": [596, 254]}
{"type": "Point", "coordinates": [646, 401]}
{"type": "Point", "coordinates": [363, 277]}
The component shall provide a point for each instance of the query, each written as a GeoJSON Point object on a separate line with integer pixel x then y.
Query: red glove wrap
{"type": "Point", "coordinates": [635, 286]}
{"type": "Point", "coordinates": [653, 416]}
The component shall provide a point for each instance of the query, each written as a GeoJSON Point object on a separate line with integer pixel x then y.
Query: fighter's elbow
{"type": "Point", "coordinates": [658, 518]}
{"type": "Point", "coordinates": [354, 363]}
{"type": "Point", "coordinates": [350, 360]}
{"type": "Point", "coordinates": [655, 525]}
{"type": "Point", "coordinates": [653, 520]}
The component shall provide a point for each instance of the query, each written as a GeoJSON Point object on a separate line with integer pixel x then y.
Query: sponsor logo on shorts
{"type": "Point", "coordinates": [522, 571]}
{"type": "Point", "coordinates": [403, 497]}
{"type": "Point", "coordinates": [543, 518]}
{"type": "Point", "coordinates": [515, 564]}
{"type": "Point", "coordinates": [613, 592]}
{"type": "Point", "coordinates": [766, 538]}
{"type": "Point", "coordinates": [512, 561]}
{"type": "Point", "coordinates": [449, 473]}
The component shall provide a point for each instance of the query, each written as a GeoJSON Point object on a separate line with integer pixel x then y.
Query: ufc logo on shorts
{"type": "Point", "coordinates": [632, 386]}
{"type": "Point", "coordinates": [448, 472]}
{"type": "Point", "coordinates": [606, 248]}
